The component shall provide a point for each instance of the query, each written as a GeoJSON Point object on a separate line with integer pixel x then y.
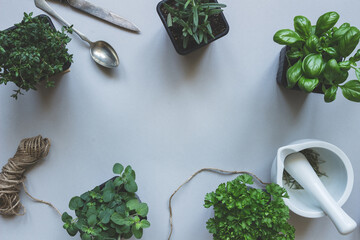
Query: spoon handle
{"type": "Point", "coordinates": [42, 4]}
{"type": "Point", "coordinates": [298, 166]}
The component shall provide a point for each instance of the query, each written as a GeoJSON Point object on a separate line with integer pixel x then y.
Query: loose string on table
{"type": "Point", "coordinates": [30, 151]}
{"type": "Point", "coordinates": [215, 170]}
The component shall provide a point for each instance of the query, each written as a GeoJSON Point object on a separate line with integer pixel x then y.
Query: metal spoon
{"type": "Point", "coordinates": [100, 51]}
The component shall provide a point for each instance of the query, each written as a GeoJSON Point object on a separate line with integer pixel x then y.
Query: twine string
{"type": "Point", "coordinates": [215, 170]}
{"type": "Point", "coordinates": [29, 152]}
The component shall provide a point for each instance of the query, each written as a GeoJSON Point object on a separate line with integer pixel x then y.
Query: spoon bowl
{"type": "Point", "coordinates": [104, 54]}
{"type": "Point", "coordinates": [101, 52]}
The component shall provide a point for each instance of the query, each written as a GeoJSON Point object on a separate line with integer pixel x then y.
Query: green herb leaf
{"type": "Point", "coordinates": [339, 33]}
{"type": "Point", "coordinates": [195, 17]}
{"type": "Point", "coordinates": [65, 217]}
{"type": "Point", "coordinates": [118, 181]}
{"type": "Point", "coordinates": [332, 52]}
{"type": "Point", "coordinates": [325, 22]}
{"type": "Point", "coordinates": [92, 220]}
{"type": "Point", "coordinates": [313, 65]}
{"type": "Point", "coordinates": [138, 233]}
{"type": "Point", "coordinates": [132, 204]}
{"type": "Point", "coordinates": [169, 20]}
{"type": "Point", "coordinates": [351, 90]}
{"type": "Point", "coordinates": [145, 223]}
{"type": "Point", "coordinates": [302, 26]}
{"type": "Point", "coordinates": [308, 84]}
{"type": "Point", "coordinates": [72, 230]}
{"type": "Point", "coordinates": [287, 37]}
{"type": "Point", "coordinates": [76, 203]}
{"type": "Point", "coordinates": [131, 185]}
{"type": "Point", "coordinates": [118, 218]}
{"type": "Point", "coordinates": [357, 56]}
{"type": "Point", "coordinates": [293, 74]}
{"type": "Point", "coordinates": [108, 195]}
{"type": "Point", "coordinates": [312, 44]}
{"type": "Point", "coordinates": [330, 94]}
{"type": "Point", "coordinates": [349, 41]}
{"type": "Point", "coordinates": [345, 65]}
{"type": "Point", "coordinates": [118, 168]}
{"type": "Point", "coordinates": [142, 209]}
{"type": "Point", "coordinates": [357, 72]}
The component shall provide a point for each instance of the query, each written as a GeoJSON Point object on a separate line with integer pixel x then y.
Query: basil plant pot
{"type": "Point", "coordinates": [318, 57]}
{"type": "Point", "coordinates": [217, 23]}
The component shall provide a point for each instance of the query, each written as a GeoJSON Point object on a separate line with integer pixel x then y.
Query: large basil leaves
{"type": "Point", "coordinates": [339, 33]}
{"type": "Point", "coordinates": [333, 73]}
{"type": "Point", "coordinates": [308, 84]}
{"type": "Point", "coordinates": [325, 22]}
{"type": "Point", "coordinates": [293, 74]}
{"type": "Point", "coordinates": [351, 90]}
{"type": "Point", "coordinates": [349, 41]}
{"type": "Point", "coordinates": [313, 65]}
{"type": "Point", "coordinates": [302, 26]}
{"type": "Point", "coordinates": [287, 37]}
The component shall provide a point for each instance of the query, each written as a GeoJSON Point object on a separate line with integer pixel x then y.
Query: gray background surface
{"type": "Point", "coordinates": [169, 115]}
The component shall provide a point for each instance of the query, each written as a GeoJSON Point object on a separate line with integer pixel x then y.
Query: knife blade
{"type": "Point", "coordinates": [103, 14]}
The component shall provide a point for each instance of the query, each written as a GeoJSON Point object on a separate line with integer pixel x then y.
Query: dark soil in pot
{"type": "Point", "coordinates": [284, 64]}
{"type": "Point", "coordinates": [219, 26]}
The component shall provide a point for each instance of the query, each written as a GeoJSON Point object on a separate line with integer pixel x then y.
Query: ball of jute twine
{"type": "Point", "coordinates": [214, 170]}
{"type": "Point", "coordinates": [29, 152]}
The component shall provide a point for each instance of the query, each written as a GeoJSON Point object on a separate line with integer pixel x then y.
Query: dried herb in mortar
{"type": "Point", "coordinates": [314, 159]}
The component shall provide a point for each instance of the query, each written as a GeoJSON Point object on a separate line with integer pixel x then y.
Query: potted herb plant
{"type": "Point", "coordinates": [31, 52]}
{"type": "Point", "coordinates": [317, 57]}
{"type": "Point", "coordinates": [110, 211]}
{"type": "Point", "coordinates": [192, 24]}
{"type": "Point", "coordinates": [242, 212]}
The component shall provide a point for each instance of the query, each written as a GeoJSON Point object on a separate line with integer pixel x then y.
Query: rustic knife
{"type": "Point", "coordinates": [103, 14]}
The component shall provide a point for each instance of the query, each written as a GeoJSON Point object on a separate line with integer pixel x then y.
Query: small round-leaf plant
{"type": "Point", "coordinates": [109, 212]}
{"type": "Point", "coordinates": [245, 213]}
{"type": "Point", "coordinates": [319, 56]}
{"type": "Point", "coordinates": [32, 52]}
{"type": "Point", "coordinates": [193, 17]}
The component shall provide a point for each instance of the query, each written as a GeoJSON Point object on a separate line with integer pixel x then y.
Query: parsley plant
{"type": "Point", "coordinates": [244, 213]}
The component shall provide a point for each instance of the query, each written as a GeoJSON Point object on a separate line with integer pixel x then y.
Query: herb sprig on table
{"type": "Point", "coordinates": [31, 53]}
{"type": "Point", "coordinates": [243, 213]}
{"type": "Point", "coordinates": [107, 212]}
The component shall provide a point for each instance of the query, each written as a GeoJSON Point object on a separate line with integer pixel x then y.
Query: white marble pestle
{"type": "Point", "coordinates": [300, 169]}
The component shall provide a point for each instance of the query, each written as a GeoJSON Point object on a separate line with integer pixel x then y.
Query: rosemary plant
{"type": "Point", "coordinates": [193, 17]}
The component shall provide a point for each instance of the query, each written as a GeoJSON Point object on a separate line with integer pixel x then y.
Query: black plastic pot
{"type": "Point", "coordinates": [192, 46]}
{"type": "Point", "coordinates": [283, 67]}
{"type": "Point", "coordinates": [66, 65]}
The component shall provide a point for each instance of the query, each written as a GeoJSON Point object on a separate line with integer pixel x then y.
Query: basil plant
{"type": "Point", "coordinates": [319, 56]}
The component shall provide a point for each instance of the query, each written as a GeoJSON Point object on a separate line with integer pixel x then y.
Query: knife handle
{"type": "Point", "coordinates": [42, 4]}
